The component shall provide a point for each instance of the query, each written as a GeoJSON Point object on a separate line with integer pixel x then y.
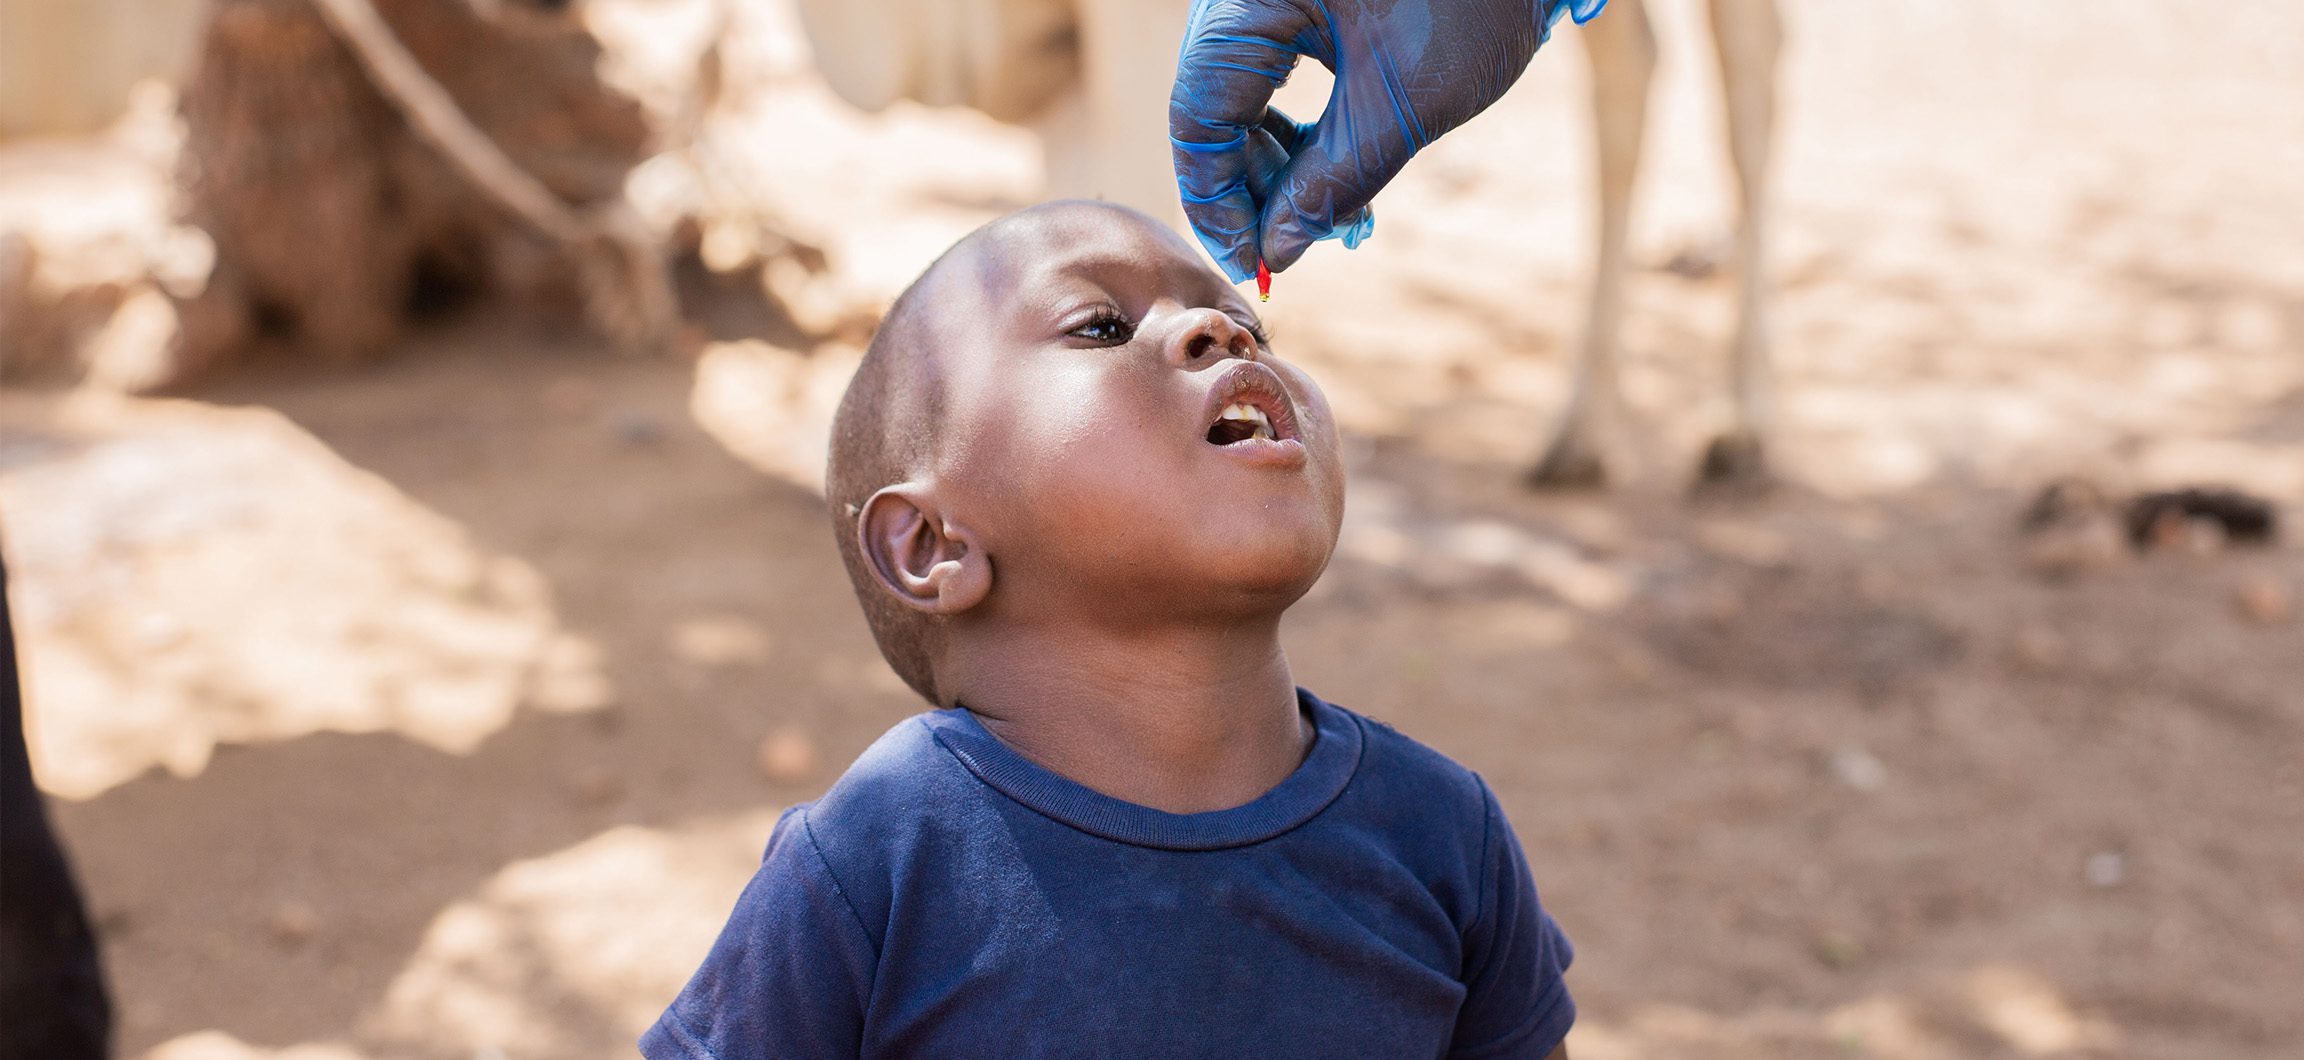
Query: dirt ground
{"type": "Point", "coordinates": [439, 708]}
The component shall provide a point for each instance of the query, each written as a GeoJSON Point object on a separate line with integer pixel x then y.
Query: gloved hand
{"type": "Point", "coordinates": [1256, 183]}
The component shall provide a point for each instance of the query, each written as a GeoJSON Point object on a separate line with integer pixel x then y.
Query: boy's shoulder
{"type": "Point", "coordinates": [1401, 758]}
{"type": "Point", "coordinates": [1405, 784]}
{"type": "Point", "coordinates": [894, 784]}
{"type": "Point", "coordinates": [904, 799]}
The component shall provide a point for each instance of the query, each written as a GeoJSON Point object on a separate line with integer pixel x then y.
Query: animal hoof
{"type": "Point", "coordinates": [1568, 465]}
{"type": "Point", "coordinates": [1734, 461]}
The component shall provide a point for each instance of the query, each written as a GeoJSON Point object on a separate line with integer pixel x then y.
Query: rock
{"type": "Point", "coordinates": [787, 756]}
{"type": "Point", "coordinates": [1856, 768]}
{"type": "Point", "coordinates": [2105, 869]}
{"type": "Point", "coordinates": [2265, 601]}
{"type": "Point", "coordinates": [295, 923]}
{"type": "Point", "coordinates": [2072, 527]}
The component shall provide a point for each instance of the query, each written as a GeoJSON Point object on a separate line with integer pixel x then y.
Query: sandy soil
{"type": "Point", "coordinates": [439, 708]}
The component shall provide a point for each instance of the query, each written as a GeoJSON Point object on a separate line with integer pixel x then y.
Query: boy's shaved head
{"type": "Point", "coordinates": [885, 433]}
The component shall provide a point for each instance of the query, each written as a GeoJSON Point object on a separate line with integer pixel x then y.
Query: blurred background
{"type": "Point", "coordinates": [411, 504]}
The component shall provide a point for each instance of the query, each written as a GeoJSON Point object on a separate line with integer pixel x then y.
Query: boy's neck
{"type": "Point", "coordinates": [1182, 719]}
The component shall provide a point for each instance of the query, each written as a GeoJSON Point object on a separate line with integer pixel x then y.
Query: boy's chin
{"type": "Point", "coordinates": [1237, 561]}
{"type": "Point", "coordinates": [1257, 578]}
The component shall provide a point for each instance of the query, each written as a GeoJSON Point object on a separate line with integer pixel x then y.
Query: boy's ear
{"type": "Point", "coordinates": [924, 559]}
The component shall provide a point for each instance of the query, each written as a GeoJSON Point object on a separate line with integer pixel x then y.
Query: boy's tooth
{"type": "Point", "coordinates": [1246, 413]}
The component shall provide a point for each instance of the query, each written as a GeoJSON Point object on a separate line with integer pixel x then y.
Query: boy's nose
{"type": "Point", "coordinates": [1205, 336]}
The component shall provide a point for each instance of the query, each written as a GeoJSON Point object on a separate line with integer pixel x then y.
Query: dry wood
{"type": "Point", "coordinates": [626, 288]}
{"type": "Point", "coordinates": [434, 115]}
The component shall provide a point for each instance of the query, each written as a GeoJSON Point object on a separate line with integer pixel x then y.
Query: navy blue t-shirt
{"type": "Point", "coordinates": [949, 898]}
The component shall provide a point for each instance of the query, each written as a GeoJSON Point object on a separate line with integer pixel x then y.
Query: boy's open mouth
{"type": "Point", "coordinates": [1249, 405]}
{"type": "Point", "coordinates": [1240, 422]}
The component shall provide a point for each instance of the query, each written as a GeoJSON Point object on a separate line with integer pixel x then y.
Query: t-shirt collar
{"type": "Point", "coordinates": [1322, 776]}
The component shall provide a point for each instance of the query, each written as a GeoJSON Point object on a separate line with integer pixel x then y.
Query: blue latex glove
{"type": "Point", "coordinates": [1407, 72]}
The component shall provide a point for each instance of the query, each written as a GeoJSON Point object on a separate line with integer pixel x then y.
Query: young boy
{"type": "Point", "coordinates": [1075, 491]}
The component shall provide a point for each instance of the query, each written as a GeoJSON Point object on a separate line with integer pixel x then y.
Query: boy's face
{"type": "Point", "coordinates": [1119, 439]}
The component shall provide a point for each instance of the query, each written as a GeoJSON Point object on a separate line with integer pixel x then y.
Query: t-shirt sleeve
{"type": "Point", "coordinates": [790, 973]}
{"type": "Point", "coordinates": [1516, 1003]}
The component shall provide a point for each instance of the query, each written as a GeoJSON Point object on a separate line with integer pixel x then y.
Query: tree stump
{"type": "Point", "coordinates": [333, 222]}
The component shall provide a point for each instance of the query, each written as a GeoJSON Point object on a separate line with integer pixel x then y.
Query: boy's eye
{"type": "Point", "coordinates": [1106, 329]}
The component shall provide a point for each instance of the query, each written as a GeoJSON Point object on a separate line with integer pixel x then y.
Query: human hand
{"type": "Point", "coordinates": [1257, 184]}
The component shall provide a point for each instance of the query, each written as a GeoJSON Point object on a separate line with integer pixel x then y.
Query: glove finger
{"type": "Point", "coordinates": [1284, 130]}
{"type": "Point", "coordinates": [1329, 181]}
{"type": "Point", "coordinates": [1235, 53]}
{"type": "Point", "coordinates": [1269, 146]}
{"type": "Point", "coordinates": [1220, 206]}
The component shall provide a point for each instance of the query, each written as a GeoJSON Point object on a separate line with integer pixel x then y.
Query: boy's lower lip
{"type": "Point", "coordinates": [1280, 453]}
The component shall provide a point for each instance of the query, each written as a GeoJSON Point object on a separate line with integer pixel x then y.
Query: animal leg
{"type": "Point", "coordinates": [1749, 35]}
{"type": "Point", "coordinates": [1622, 48]}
